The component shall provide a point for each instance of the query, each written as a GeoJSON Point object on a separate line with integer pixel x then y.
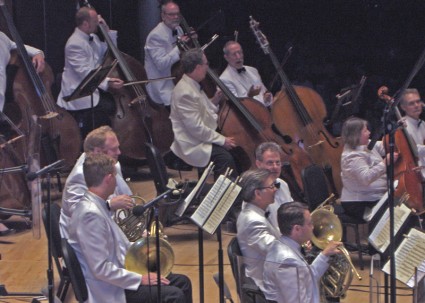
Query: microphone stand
{"type": "Point", "coordinates": [153, 204]}
{"type": "Point", "coordinates": [31, 176]}
{"type": "Point", "coordinates": [390, 129]}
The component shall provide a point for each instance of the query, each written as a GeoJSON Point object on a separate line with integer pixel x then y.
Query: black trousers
{"type": "Point", "coordinates": [92, 118]}
{"type": "Point", "coordinates": [222, 160]}
{"type": "Point", "coordinates": [178, 291]}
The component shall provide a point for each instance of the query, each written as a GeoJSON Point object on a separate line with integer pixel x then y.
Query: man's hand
{"type": "Point", "coordinates": [218, 96]}
{"type": "Point", "coordinates": [38, 62]}
{"type": "Point", "coordinates": [115, 83]}
{"type": "Point", "coordinates": [121, 202]}
{"type": "Point", "coordinates": [151, 279]}
{"type": "Point", "coordinates": [254, 90]}
{"type": "Point", "coordinates": [268, 98]}
{"type": "Point", "coordinates": [229, 143]}
{"type": "Point", "coordinates": [332, 248]}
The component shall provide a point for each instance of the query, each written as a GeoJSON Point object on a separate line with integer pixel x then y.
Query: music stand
{"type": "Point", "coordinates": [90, 83]}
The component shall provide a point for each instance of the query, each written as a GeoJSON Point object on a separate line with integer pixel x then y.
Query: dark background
{"type": "Point", "coordinates": [333, 42]}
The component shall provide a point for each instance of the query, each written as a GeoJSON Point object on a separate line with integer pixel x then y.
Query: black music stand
{"type": "Point", "coordinates": [89, 85]}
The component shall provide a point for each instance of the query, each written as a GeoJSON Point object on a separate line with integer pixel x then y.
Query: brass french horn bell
{"type": "Point", "coordinates": [142, 260]}
{"type": "Point", "coordinates": [132, 226]}
{"type": "Point", "coordinates": [327, 227]}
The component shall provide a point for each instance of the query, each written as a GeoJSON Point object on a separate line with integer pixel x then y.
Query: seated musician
{"type": "Point", "coordinates": [161, 52]}
{"type": "Point", "coordinates": [194, 119]}
{"type": "Point", "coordinates": [281, 282]}
{"type": "Point", "coordinates": [243, 81]}
{"type": "Point", "coordinates": [84, 52]}
{"type": "Point", "coordinates": [6, 45]}
{"type": "Point", "coordinates": [363, 171]}
{"type": "Point", "coordinates": [268, 156]}
{"type": "Point", "coordinates": [99, 141]}
{"type": "Point", "coordinates": [411, 104]}
{"type": "Point", "coordinates": [101, 246]}
{"type": "Point", "coordinates": [255, 232]}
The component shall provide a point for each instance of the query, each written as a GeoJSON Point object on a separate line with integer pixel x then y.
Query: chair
{"type": "Point", "coordinates": [316, 191]}
{"type": "Point", "coordinates": [175, 163]}
{"type": "Point", "coordinates": [248, 291]}
{"type": "Point", "coordinates": [160, 177]}
{"type": "Point", "coordinates": [55, 210]}
{"type": "Point", "coordinates": [76, 274]}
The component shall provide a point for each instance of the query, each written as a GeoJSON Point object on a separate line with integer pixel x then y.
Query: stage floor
{"type": "Point", "coordinates": [23, 264]}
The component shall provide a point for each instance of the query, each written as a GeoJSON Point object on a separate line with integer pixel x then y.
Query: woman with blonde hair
{"type": "Point", "coordinates": [363, 171]}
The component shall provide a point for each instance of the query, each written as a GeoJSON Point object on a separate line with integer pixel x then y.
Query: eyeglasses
{"type": "Point", "coordinates": [172, 14]}
{"type": "Point", "coordinates": [275, 185]}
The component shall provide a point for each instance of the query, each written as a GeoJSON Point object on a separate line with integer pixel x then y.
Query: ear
{"type": "Point", "coordinates": [257, 163]}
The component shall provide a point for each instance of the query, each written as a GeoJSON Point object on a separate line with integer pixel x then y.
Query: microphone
{"type": "Point", "coordinates": [32, 175]}
{"type": "Point", "coordinates": [139, 210]}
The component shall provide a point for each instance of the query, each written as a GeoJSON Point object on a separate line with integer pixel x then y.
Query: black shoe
{"type": "Point", "coordinates": [7, 232]}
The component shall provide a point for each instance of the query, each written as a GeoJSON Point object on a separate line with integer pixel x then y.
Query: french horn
{"type": "Point", "coordinates": [132, 226]}
{"type": "Point", "coordinates": [141, 256]}
{"type": "Point", "coordinates": [327, 227]}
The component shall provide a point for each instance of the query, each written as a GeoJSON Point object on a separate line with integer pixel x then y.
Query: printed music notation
{"type": "Point", "coordinates": [380, 236]}
{"type": "Point", "coordinates": [216, 204]}
{"type": "Point", "coordinates": [409, 256]}
{"type": "Point", "coordinates": [182, 208]}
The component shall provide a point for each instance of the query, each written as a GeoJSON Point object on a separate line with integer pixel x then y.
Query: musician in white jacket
{"type": "Point", "coordinates": [287, 276]}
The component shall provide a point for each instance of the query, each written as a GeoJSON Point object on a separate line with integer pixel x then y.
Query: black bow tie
{"type": "Point", "coordinates": [174, 32]}
{"type": "Point", "coordinates": [240, 70]}
{"type": "Point", "coordinates": [91, 38]}
{"type": "Point", "coordinates": [267, 214]}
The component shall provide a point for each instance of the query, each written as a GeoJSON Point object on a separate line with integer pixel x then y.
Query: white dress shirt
{"type": "Point", "coordinates": [75, 187]}
{"type": "Point", "coordinates": [82, 56]}
{"type": "Point", "coordinates": [240, 83]}
{"type": "Point", "coordinates": [255, 235]}
{"type": "Point", "coordinates": [288, 278]}
{"type": "Point", "coordinates": [282, 196]}
{"type": "Point", "coordinates": [363, 173]}
{"type": "Point", "coordinates": [6, 45]}
{"type": "Point", "coordinates": [161, 52]}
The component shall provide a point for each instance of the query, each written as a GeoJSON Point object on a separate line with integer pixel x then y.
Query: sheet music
{"type": "Point", "coordinates": [182, 208]}
{"type": "Point", "coordinates": [210, 201]}
{"type": "Point", "coordinates": [222, 208]}
{"type": "Point", "coordinates": [380, 236]}
{"type": "Point", "coordinates": [409, 254]}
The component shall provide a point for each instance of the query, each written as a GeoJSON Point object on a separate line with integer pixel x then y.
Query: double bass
{"type": "Point", "coordinates": [249, 123]}
{"type": "Point", "coordinates": [138, 119]}
{"type": "Point", "coordinates": [406, 169]}
{"type": "Point", "coordinates": [60, 130]}
{"type": "Point", "coordinates": [299, 112]}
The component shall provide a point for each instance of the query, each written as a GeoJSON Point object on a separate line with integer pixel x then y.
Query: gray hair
{"type": "Point", "coordinates": [351, 131]}
{"type": "Point", "coordinates": [290, 214]}
{"type": "Point", "coordinates": [252, 180]}
{"type": "Point", "coordinates": [408, 91]}
{"type": "Point", "coordinates": [228, 43]}
{"type": "Point", "coordinates": [267, 146]}
{"type": "Point", "coordinates": [191, 59]}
